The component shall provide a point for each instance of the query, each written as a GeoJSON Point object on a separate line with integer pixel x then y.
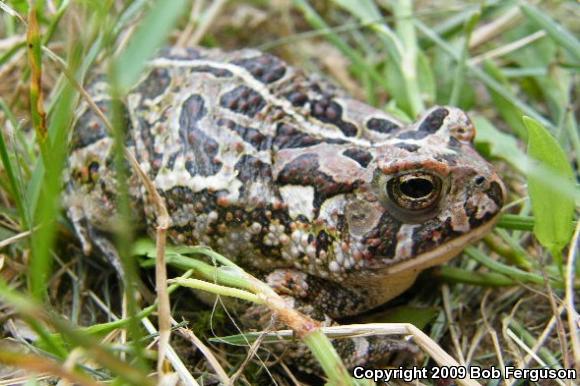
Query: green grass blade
{"type": "Point", "coordinates": [160, 18]}
{"type": "Point", "coordinates": [553, 210]}
{"type": "Point", "coordinates": [358, 60]}
{"type": "Point", "coordinates": [543, 351]}
{"type": "Point", "coordinates": [555, 30]}
{"type": "Point", "coordinates": [47, 206]}
{"type": "Point", "coordinates": [15, 183]}
{"type": "Point", "coordinates": [482, 76]}
{"type": "Point", "coordinates": [368, 14]}
{"type": "Point", "coordinates": [402, 49]}
{"type": "Point", "coordinates": [468, 276]}
{"type": "Point", "coordinates": [516, 222]}
{"type": "Point", "coordinates": [509, 271]}
{"type": "Point", "coordinates": [403, 10]}
{"type": "Point", "coordinates": [460, 71]}
{"type": "Point", "coordinates": [124, 71]}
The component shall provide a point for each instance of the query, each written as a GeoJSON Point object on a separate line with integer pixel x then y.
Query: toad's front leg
{"type": "Point", "coordinates": [325, 300]}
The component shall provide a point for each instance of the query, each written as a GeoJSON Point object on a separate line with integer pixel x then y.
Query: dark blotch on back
{"type": "Point", "coordinates": [198, 148]}
{"type": "Point", "coordinates": [305, 170]}
{"type": "Point", "coordinates": [266, 68]}
{"type": "Point", "coordinates": [362, 157]}
{"type": "Point", "coordinates": [252, 136]}
{"type": "Point", "coordinates": [171, 160]}
{"type": "Point", "coordinates": [243, 100]}
{"type": "Point", "coordinates": [410, 147]}
{"type": "Point", "coordinates": [413, 134]}
{"type": "Point", "coordinates": [449, 159]}
{"type": "Point", "coordinates": [250, 169]}
{"type": "Point", "coordinates": [155, 84]}
{"type": "Point", "coordinates": [289, 137]}
{"type": "Point", "coordinates": [297, 98]}
{"type": "Point", "coordinates": [192, 110]}
{"type": "Point", "coordinates": [89, 128]}
{"type": "Point", "coordinates": [381, 125]}
{"type": "Point", "coordinates": [434, 120]}
{"type": "Point", "coordinates": [329, 111]}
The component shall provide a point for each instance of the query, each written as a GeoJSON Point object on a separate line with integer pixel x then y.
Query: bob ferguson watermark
{"type": "Point", "coordinates": [461, 372]}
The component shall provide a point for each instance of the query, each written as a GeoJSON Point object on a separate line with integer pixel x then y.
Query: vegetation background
{"type": "Point", "coordinates": [511, 299]}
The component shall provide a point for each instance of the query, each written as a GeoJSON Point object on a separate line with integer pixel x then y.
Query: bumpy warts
{"type": "Point", "coordinates": [281, 171]}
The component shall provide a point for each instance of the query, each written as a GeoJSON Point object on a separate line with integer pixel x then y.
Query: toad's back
{"type": "Point", "coordinates": [280, 170]}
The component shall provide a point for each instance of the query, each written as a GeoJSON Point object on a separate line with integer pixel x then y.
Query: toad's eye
{"type": "Point", "coordinates": [415, 192]}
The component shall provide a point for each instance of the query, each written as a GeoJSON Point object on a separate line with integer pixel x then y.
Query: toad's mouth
{"type": "Point", "coordinates": [387, 282]}
{"type": "Point", "coordinates": [441, 254]}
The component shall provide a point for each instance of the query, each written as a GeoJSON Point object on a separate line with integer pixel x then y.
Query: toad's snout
{"type": "Point", "coordinates": [487, 199]}
{"type": "Point", "coordinates": [497, 191]}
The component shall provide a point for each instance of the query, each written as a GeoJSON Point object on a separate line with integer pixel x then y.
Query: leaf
{"type": "Point", "coordinates": [552, 207]}
{"type": "Point", "coordinates": [495, 143]}
{"type": "Point", "coordinates": [150, 35]}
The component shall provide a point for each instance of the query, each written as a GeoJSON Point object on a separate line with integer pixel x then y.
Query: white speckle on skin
{"type": "Point", "coordinates": [340, 258]}
{"type": "Point", "coordinates": [311, 251]}
{"type": "Point", "coordinates": [179, 176]}
{"type": "Point", "coordinates": [300, 200]}
{"type": "Point", "coordinates": [405, 241]}
{"type": "Point", "coordinates": [256, 228]}
{"type": "Point", "coordinates": [304, 240]}
{"type": "Point", "coordinates": [212, 216]}
{"type": "Point", "coordinates": [333, 266]}
{"type": "Point", "coordinates": [294, 252]}
{"type": "Point", "coordinates": [284, 239]}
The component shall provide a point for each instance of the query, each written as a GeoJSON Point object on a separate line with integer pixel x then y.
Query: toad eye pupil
{"type": "Point", "coordinates": [416, 187]}
{"type": "Point", "coordinates": [414, 193]}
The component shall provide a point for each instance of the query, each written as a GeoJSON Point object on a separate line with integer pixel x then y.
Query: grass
{"type": "Point", "coordinates": [509, 299]}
